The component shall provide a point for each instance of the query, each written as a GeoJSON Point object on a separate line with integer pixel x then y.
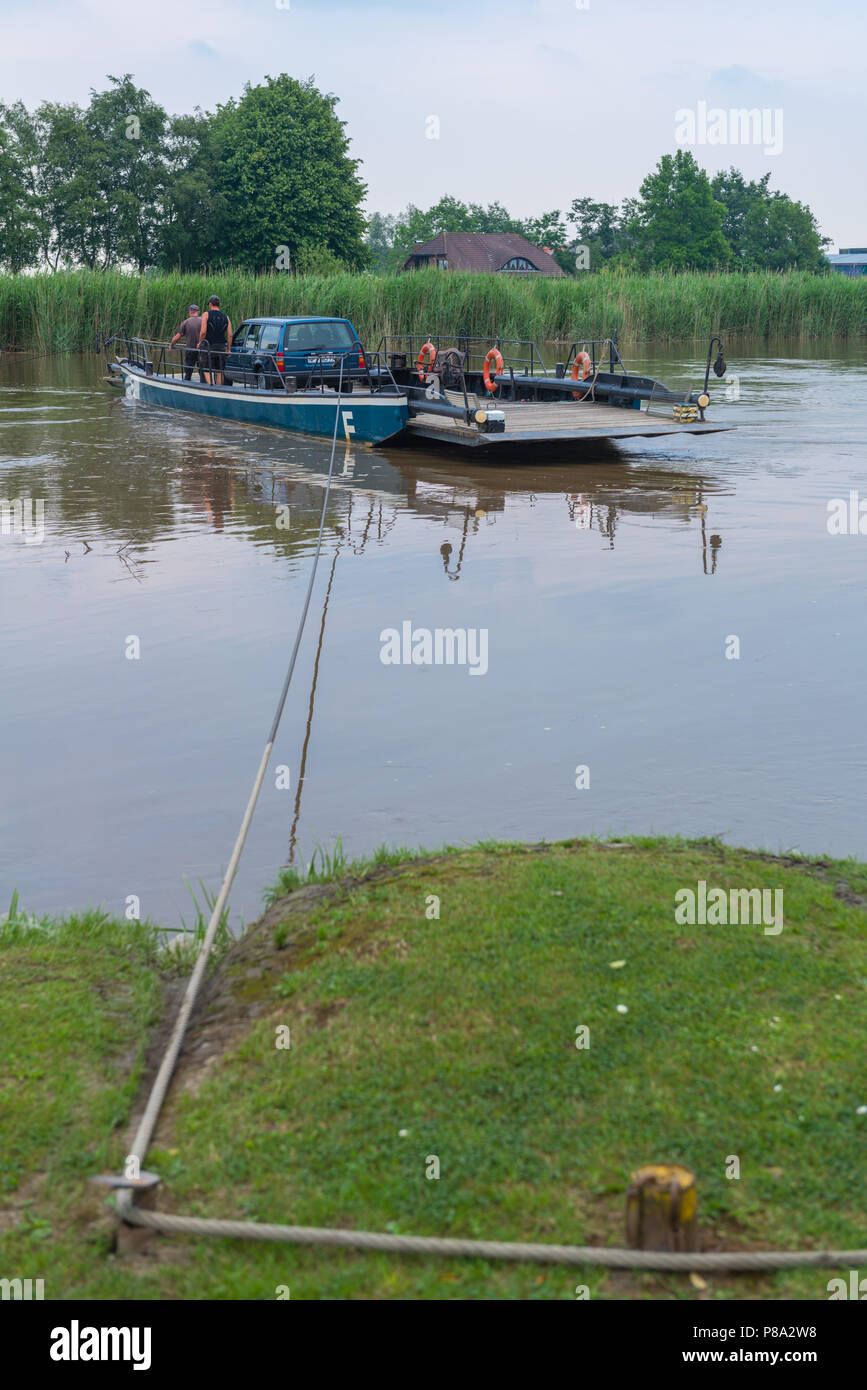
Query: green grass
{"type": "Point", "coordinates": [78, 999]}
{"type": "Point", "coordinates": [62, 312]}
{"type": "Point", "coordinates": [327, 865]}
{"type": "Point", "coordinates": [195, 933]}
{"type": "Point", "coordinates": [413, 1036]}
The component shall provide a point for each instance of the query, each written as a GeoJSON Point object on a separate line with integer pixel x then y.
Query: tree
{"type": "Point", "coordinates": [380, 239]}
{"type": "Point", "coordinates": [194, 229]}
{"type": "Point", "coordinates": [679, 222]}
{"type": "Point", "coordinates": [790, 235]}
{"type": "Point", "coordinates": [547, 230]}
{"type": "Point", "coordinates": [493, 218]}
{"type": "Point", "coordinates": [766, 229]}
{"type": "Point", "coordinates": [97, 177]}
{"type": "Point", "coordinates": [550, 230]}
{"type": "Point", "coordinates": [68, 188]}
{"type": "Point", "coordinates": [127, 130]}
{"type": "Point", "coordinates": [286, 177]}
{"type": "Point", "coordinates": [738, 197]}
{"type": "Point", "coordinates": [19, 237]}
{"type": "Point", "coordinates": [597, 227]}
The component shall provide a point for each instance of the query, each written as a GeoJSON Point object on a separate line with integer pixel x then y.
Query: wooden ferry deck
{"type": "Point", "coordinates": [532, 423]}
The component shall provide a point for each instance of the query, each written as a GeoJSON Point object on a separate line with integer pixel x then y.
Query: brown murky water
{"type": "Point", "coordinates": [609, 589]}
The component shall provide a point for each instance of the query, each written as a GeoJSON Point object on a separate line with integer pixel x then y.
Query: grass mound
{"type": "Point", "coordinates": [432, 1008]}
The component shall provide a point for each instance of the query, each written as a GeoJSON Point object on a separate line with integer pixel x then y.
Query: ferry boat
{"type": "Point", "coordinates": [311, 375]}
{"type": "Point", "coordinates": [270, 378]}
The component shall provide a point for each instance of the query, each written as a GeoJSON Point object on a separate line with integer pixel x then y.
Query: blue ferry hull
{"type": "Point", "coordinates": [365, 418]}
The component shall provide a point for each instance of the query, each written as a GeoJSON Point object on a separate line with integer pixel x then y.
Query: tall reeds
{"type": "Point", "coordinates": [64, 312]}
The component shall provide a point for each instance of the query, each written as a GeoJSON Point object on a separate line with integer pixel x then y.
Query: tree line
{"type": "Point", "coordinates": [262, 182]}
{"type": "Point", "coordinates": [267, 182]}
{"type": "Point", "coordinates": [681, 220]}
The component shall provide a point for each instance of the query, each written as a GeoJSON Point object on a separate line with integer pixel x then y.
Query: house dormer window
{"type": "Point", "coordinates": [519, 263]}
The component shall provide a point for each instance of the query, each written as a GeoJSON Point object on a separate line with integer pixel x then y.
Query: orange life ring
{"type": "Point", "coordinates": [581, 359]}
{"type": "Point", "coordinates": [493, 356]}
{"type": "Point", "coordinates": [423, 366]}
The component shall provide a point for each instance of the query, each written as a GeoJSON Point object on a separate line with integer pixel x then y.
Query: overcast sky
{"type": "Point", "coordinates": [538, 101]}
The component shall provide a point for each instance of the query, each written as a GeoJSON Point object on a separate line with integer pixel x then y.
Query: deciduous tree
{"type": "Point", "coordinates": [286, 176]}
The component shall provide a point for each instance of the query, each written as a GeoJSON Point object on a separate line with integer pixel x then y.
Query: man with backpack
{"type": "Point", "coordinates": [216, 340]}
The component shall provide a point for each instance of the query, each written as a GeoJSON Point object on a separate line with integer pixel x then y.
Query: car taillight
{"type": "Point", "coordinates": [361, 361]}
{"type": "Point", "coordinates": [280, 360]}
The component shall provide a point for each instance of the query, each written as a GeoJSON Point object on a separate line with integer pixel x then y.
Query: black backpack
{"type": "Point", "coordinates": [218, 322]}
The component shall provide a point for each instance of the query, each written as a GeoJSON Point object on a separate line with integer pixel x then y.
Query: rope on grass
{"type": "Point", "coordinates": [748, 1260]}
{"type": "Point", "coordinates": [147, 1124]}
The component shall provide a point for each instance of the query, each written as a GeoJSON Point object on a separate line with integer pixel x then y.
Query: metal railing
{"type": "Point", "coordinates": [522, 355]}
{"type": "Point", "coordinates": [590, 346]}
{"type": "Point", "coordinates": [180, 362]}
{"type": "Point", "coordinates": [173, 363]}
{"type": "Point", "coordinates": [401, 350]}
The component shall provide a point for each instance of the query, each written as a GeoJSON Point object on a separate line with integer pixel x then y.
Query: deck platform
{"type": "Point", "coordinates": [535, 423]}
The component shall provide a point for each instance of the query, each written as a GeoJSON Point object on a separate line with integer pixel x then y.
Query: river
{"type": "Point", "coordinates": [145, 637]}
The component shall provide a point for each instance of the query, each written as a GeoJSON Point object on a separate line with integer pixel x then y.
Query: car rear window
{"type": "Point", "coordinates": [305, 337]}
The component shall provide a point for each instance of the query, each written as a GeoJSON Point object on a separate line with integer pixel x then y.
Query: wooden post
{"type": "Point", "coordinates": [661, 1206]}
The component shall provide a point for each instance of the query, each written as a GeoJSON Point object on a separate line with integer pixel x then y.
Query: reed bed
{"type": "Point", "coordinates": [65, 312]}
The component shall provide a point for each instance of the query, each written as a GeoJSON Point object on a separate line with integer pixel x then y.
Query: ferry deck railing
{"type": "Point", "coordinates": [166, 361]}
{"type": "Point", "coordinates": [459, 363]}
{"type": "Point", "coordinates": [522, 355]}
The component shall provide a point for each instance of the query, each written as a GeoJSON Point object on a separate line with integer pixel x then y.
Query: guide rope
{"type": "Point", "coordinates": [501, 1250]}
{"type": "Point", "coordinates": [609, 1258]}
{"type": "Point", "coordinates": [147, 1124]}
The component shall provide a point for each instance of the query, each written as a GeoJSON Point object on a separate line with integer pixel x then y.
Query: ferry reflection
{"type": "Point", "coordinates": [608, 497]}
{"type": "Point", "coordinates": [370, 489]}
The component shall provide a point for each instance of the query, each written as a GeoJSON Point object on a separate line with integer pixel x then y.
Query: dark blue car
{"type": "Point", "coordinates": [266, 350]}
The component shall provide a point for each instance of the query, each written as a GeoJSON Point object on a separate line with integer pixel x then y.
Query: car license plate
{"type": "Point", "coordinates": [325, 360]}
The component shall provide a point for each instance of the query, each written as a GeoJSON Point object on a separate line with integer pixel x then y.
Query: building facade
{"type": "Point", "coordinates": [851, 260]}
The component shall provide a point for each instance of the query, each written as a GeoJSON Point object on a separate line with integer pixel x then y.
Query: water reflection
{"type": "Point", "coordinates": [461, 500]}
{"type": "Point", "coordinates": [609, 493]}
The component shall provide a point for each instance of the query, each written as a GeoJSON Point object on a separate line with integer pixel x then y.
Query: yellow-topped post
{"type": "Point", "coordinates": [661, 1208]}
